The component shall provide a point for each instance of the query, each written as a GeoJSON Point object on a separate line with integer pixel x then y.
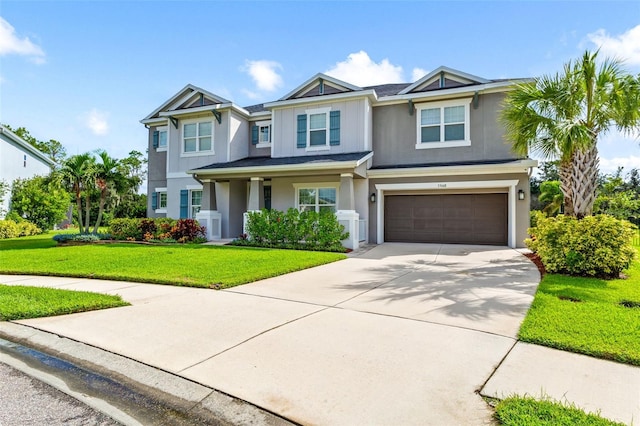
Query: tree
{"type": "Point", "coordinates": [551, 197]}
{"type": "Point", "coordinates": [560, 117]}
{"type": "Point", "coordinates": [107, 177]}
{"type": "Point", "coordinates": [40, 201]}
{"type": "Point", "coordinates": [4, 188]}
{"type": "Point", "coordinates": [77, 173]}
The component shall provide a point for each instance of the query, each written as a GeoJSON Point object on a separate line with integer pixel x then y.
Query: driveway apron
{"type": "Point", "coordinates": [402, 334]}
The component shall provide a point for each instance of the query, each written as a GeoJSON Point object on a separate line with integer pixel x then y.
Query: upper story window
{"type": "Point", "coordinates": [318, 129]}
{"type": "Point", "coordinates": [197, 137]}
{"type": "Point", "coordinates": [160, 138]}
{"type": "Point", "coordinates": [261, 134]}
{"type": "Point", "coordinates": [443, 124]}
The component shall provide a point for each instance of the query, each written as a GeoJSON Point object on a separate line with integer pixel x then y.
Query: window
{"type": "Point", "coordinates": [261, 134]}
{"type": "Point", "coordinates": [162, 200]}
{"type": "Point", "coordinates": [197, 137]}
{"type": "Point", "coordinates": [196, 202]}
{"type": "Point", "coordinates": [160, 139]}
{"type": "Point", "coordinates": [317, 199]}
{"type": "Point", "coordinates": [318, 129]}
{"type": "Point", "coordinates": [443, 124]}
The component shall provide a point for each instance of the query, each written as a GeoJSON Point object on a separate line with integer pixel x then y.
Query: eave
{"type": "Point", "coordinates": [516, 166]}
{"type": "Point", "coordinates": [371, 94]}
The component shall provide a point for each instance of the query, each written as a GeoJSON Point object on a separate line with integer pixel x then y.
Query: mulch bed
{"type": "Point", "coordinates": [536, 260]}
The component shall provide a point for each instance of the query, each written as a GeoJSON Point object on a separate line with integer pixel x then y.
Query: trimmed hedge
{"type": "Point", "coordinates": [593, 246]}
{"type": "Point", "coordinates": [158, 230]}
{"type": "Point", "coordinates": [293, 229]}
{"type": "Point", "coordinates": [13, 229]}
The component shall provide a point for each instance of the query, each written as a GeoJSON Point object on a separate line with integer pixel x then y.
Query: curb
{"type": "Point", "coordinates": [127, 390]}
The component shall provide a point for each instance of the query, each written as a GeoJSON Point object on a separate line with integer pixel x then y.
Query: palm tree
{"type": "Point", "coordinates": [107, 177]}
{"type": "Point", "coordinates": [551, 195]}
{"type": "Point", "coordinates": [560, 117]}
{"type": "Point", "coordinates": [77, 172]}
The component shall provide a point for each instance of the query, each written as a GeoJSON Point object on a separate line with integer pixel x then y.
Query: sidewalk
{"type": "Point", "coordinates": [324, 362]}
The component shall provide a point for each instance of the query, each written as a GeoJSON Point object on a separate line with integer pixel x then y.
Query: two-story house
{"type": "Point", "coordinates": [415, 162]}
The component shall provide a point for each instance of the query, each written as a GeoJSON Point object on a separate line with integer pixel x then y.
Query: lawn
{"type": "Point", "coordinates": [517, 411]}
{"type": "Point", "coordinates": [591, 316]}
{"type": "Point", "coordinates": [188, 265]}
{"type": "Point", "coordinates": [21, 302]}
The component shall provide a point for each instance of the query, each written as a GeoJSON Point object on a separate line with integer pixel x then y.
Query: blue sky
{"type": "Point", "coordinates": [86, 72]}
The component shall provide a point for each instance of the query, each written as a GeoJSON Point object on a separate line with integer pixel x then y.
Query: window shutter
{"type": "Point", "coordinates": [254, 135]}
{"type": "Point", "coordinates": [302, 131]}
{"type": "Point", "coordinates": [154, 200]}
{"type": "Point", "coordinates": [184, 203]}
{"type": "Point", "coordinates": [334, 128]}
{"type": "Point", "coordinates": [156, 139]}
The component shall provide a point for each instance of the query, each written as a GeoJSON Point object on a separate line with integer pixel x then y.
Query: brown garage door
{"type": "Point", "coordinates": [450, 218]}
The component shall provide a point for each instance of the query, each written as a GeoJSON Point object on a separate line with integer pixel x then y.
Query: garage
{"type": "Point", "coordinates": [447, 218]}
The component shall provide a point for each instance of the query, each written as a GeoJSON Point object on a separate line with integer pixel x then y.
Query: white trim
{"type": "Point", "coordinates": [263, 145]}
{"type": "Point", "coordinates": [161, 211]}
{"type": "Point", "coordinates": [318, 186]}
{"type": "Point", "coordinates": [257, 170]}
{"type": "Point", "coordinates": [160, 189]}
{"type": "Point", "coordinates": [178, 175]}
{"type": "Point", "coordinates": [264, 123]}
{"type": "Point", "coordinates": [325, 77]}
{"type": "Point", "coordinates": [193, 187]}
{"type": "Point", "coordinates": [198, 151]}
{"type": "Point", "coordinates": [446, 70]}
{"type": "Point", "coordinates": [168, 102]}
{"type": "Point", "coordinates": [317, 100]}
{"type": "Point", "coordinates": [165, 129]}
{"type": "Point", "coordinates": [317, 111]}
{"type": "Point", "coordinates": [516, 166]}
{"type": "Point", "coordinates": [441, 105]}
{"type": "Point", "coordinates": [427, 186]}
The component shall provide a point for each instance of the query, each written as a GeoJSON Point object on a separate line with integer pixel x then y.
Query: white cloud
{"type": "Point", "coordinates": [11, 44]}
{"type": "Point", "coordinates": [360, 70]}
{"type": "Point", "coordinates": [625, 46]}
{"type": "Point", "coordinates": [96, 121]}
{"type": "Point", "coordinates": [418, 73]}
{"type": "Point", "coordinates": [610, 165]}
{"type": "Point", "coordinates": [264, 74]}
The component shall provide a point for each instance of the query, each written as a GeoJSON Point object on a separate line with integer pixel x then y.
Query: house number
{"type": "Point", "coordinates": [442, 185]}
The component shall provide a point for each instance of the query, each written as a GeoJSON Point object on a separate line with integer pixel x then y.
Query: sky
{"type": "Point", "coordinates": [86, 72]}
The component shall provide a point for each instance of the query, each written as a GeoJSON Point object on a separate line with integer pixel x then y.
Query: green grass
{"type": "Point", "coordinates": [22, 302]}
{"type": "Point", "coordinates": [584, 315]}
{"type": "Point", "coordinates": [518, 411]}
{"type": "Point", "coordinates": [189, 265]}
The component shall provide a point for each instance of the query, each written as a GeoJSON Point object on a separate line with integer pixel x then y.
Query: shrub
{"type": "Point", "coordinates": [294, 229]}
{"type": "Point", "coordinates": [122, 229]}
{"type": "Point", "coordinates": [188, 230]}
{"type": "Point", "coordinates": [39, 200]}
{"type": "Point", "coordinates": [82, 238]}
{"type": "Point", "coordinates": [26, 228]}
{"type": "Point", "coordinates": [593, 246]}
{"type": "Point", "coordinates": [8, 229]}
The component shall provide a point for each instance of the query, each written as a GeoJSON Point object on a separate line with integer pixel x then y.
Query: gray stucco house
{"type": "Point", "coordinates": [417, 162]}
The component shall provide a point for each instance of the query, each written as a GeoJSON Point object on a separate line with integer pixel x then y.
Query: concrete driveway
{"type": "Point", "coordinates": [402, 334]}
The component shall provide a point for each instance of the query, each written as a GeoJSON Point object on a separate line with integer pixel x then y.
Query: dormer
{"type": "Point", "coordinates": [320, 85]}
{"type": "Point", "coordinates": [443, 78]}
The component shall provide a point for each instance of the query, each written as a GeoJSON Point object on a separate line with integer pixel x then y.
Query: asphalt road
{"type": "Point", "coordinates": [25, 401]}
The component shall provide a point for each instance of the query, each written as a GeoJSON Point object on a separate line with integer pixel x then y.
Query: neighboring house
{"type": "Point", "coordinates": [419, 162]}
{"type": "Point", "coordinates": [19, 160]}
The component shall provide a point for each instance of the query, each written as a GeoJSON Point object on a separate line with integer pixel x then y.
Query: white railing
{"type": "Point", "coordinates": [362, 230]}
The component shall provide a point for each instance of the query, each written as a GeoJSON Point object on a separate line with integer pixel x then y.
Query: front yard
{"type": "Point", "coordinates": [591, 316]}
{"type": "Point", "coordinates": [188, 265]}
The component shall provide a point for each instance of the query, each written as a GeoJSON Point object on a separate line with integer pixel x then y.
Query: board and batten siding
{"type": "Point", "coordinates": [353, 128]}
{"type": "Point", "coordinates": [179, 164]}
{"type": "Point", "coordinates": [394, 136]}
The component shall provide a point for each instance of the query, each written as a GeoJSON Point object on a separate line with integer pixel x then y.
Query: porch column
{"type": "Point", "coordinates": [346, 214]}
{"type": "Point", "coordinates": [256, 200]}
{"type": "Point", "coordinates": [256, 194]}
{"type": "Point", "coordinates": [208, 216]}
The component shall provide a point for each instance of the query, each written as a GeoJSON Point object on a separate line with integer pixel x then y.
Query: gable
{"type": "Point", "coordinates": [443, 78]}
{"type": "Point", "coordinates": [320, 85]}
{"type": "Point", "coordinates": [197, 100]}
{"type": "Point", "coordinates": [189, 97]}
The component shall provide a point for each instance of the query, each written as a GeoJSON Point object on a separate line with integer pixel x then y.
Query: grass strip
{"type": "Point", "coordinates": [518, 411]}
{"type": "Point", "coordinates": [22, 302]}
